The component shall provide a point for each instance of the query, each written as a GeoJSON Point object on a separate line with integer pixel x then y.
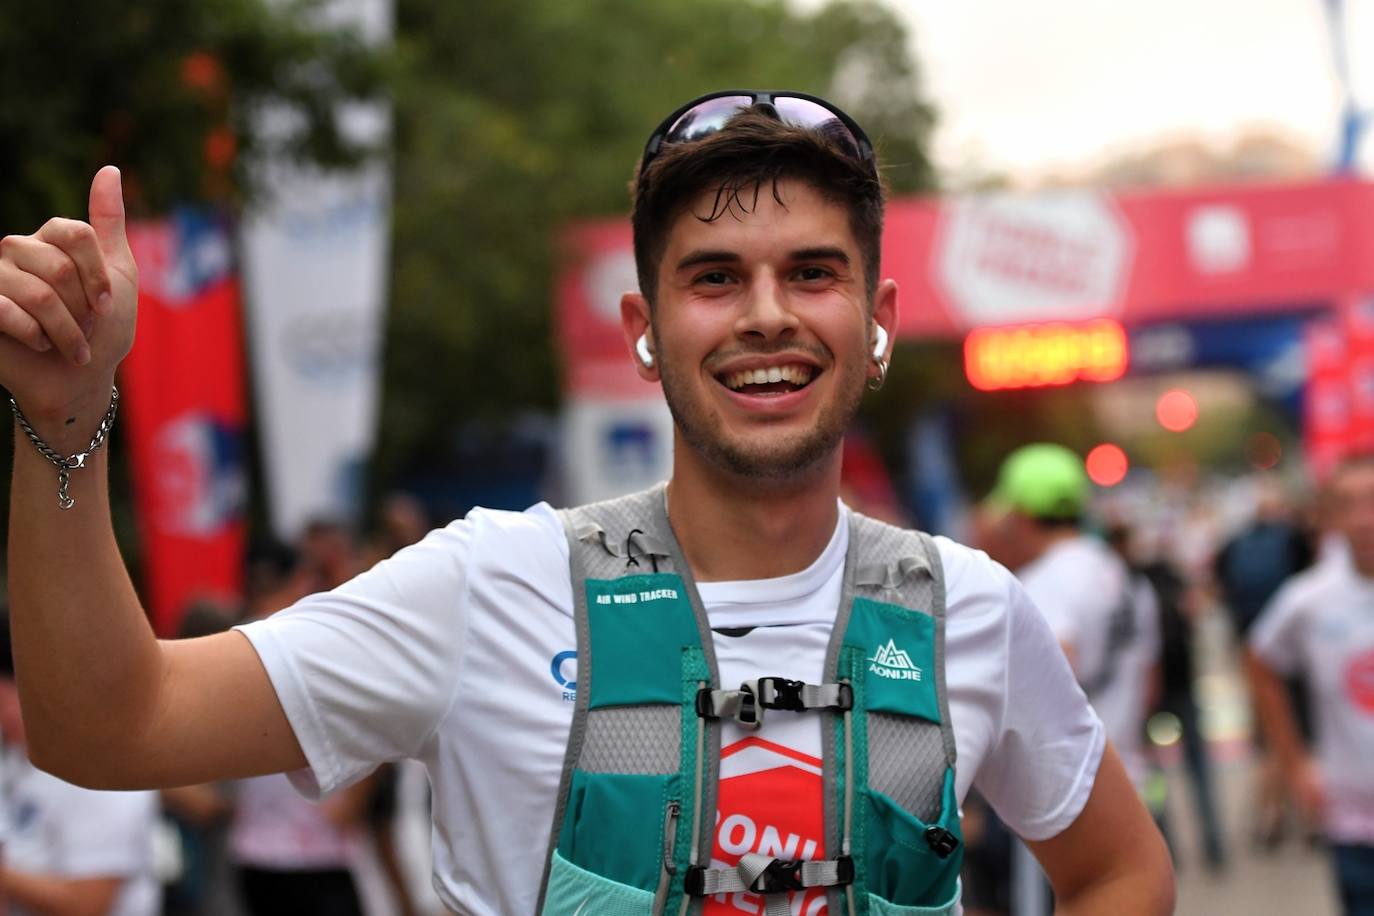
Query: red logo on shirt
{"type": "Point", "coordinates": [1359, 682]}
{"type": "Point", "coordinates": [770, 803]}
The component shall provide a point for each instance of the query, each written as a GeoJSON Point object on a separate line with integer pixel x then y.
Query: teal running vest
{"type": "Point", "coordinates": [633, 827]}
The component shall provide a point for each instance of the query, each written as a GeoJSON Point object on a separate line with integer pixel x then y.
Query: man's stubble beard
{"type": "Point", "coordinates": [782, 458]}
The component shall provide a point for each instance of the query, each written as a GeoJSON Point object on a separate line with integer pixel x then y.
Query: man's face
{"type": "Point", "coordinates": [762, 330]}
{"type": "Point", "coordinates": [1352, 498]}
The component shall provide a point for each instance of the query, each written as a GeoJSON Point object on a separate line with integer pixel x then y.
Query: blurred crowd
{"type": "Point", "coordinates": [1127, 582]}
{"type": "Point", "coordinates": [251, 847]}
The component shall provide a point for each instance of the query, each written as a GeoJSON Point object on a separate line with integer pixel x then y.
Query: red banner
{"type": "Point", "coordinates": [1006, 259]}
{"type": "Point", "coordinates": [1326, 402]}
{"type": "Point", "coordinates": [184, 401]}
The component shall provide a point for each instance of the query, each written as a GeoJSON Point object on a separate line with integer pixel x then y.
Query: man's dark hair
{"type": "Point", "coordinates": [745, 158]}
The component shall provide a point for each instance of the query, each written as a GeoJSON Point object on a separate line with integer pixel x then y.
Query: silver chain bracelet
{"type": "Point", "coordinates": [65, 466]}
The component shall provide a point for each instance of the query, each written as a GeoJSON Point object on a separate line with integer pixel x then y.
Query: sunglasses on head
{"type": "Point", "coordinates": [707, 114]}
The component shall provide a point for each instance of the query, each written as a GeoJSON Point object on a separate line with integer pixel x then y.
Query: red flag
{"type": "Point", "coordinates": [184, 401]}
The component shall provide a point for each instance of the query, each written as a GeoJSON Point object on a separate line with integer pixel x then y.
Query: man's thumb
{"type": "Point", "coordinates": [107, 212]}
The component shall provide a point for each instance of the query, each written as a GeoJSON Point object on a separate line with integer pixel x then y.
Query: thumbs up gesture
{"type": "Point", "coordinates": [68, 304]}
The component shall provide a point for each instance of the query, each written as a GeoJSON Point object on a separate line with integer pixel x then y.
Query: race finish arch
{"type": "Point", "coordinates": [1042, 288]}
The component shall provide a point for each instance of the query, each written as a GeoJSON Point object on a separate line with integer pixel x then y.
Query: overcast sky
{"type": "Point", "coordinates": [1029, 87]}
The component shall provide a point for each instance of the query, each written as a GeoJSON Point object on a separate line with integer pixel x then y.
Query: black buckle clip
{"type": "Point", "coordinates": [846, 698]}
{"type": "Point", "coordinates": [844, 872]}
{"type": "Point", "coordinates": [941, 841]}
{"type": "Point", "coordinates": [779, 877]}
{"type": "Point", "coordinates": [694, 882]}
{"type": "Point", "coordinates": [748, 714]}
{"type": "Point", "coordinates": [787, 694]}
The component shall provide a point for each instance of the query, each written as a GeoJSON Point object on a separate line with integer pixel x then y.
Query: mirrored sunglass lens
{"type": "Point", "coordinates": [706, 118]}
{"type": "Point", "coordinates": [805, 113]}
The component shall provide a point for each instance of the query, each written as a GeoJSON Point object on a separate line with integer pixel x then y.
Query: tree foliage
{"type": "Point", "coordinates": [166, 90]}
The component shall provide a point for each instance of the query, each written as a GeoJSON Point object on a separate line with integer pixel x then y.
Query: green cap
{"type": "Point", "coordinates": [1042, 480]}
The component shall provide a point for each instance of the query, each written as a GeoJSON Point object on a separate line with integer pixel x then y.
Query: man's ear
{"type": "Point", "coordinates": [634, 322]}
{"type": "Point", "coordinates": [885, 313]}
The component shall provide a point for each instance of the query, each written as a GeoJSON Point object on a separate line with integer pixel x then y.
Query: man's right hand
{"type": "Point", "coordinates": [68, 306]}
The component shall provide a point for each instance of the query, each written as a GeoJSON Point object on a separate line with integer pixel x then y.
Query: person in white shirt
{"type": "Point", "coordinates": [758, 229]}
{"type": "Point", "coordinates": [69, 851]}
{"type": "Point", "coordinates": [1106, 621]}
{"type": "Point", "coordinates": [1320, 625]}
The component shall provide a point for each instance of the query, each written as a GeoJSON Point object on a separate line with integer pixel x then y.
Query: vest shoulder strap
{"type": "Point", "coordinates": [609, 540]}
{"type": "Point", "coordinates": [899, 566]}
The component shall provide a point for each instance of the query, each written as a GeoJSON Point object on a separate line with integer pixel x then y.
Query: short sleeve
{"type": "Point", "coordinates": [1042, 763]}
{"type": "Point", "coordinates": [1276, 636]}
{"type": "Point", "coordinates": [365, 672]}
{"type": "Point", "coordinates": [106, 834]}
{"type": "Point", "coordinates": [1057, 605]}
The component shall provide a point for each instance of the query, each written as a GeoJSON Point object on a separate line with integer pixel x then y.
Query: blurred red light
{"type": "Point", "coordinates": [201, 70]}
{"type": "Point", "coordinates": [1176, 410]}
{"type": "Point", "coordinates": [1106, 465]}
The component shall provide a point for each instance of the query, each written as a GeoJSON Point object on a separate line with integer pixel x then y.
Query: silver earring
{"type": "Point", "coordinates": [875, 383]}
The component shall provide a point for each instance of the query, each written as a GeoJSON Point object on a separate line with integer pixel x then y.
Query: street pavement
{"type": "Point", "coordinates": [1291, 880]}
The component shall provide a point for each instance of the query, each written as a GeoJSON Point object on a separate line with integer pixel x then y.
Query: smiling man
{"type": "Point", "coordinates": [727, 694]}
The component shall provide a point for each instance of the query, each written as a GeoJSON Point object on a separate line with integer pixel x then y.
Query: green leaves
{"type": "Point", "coordinates": [165, 90]}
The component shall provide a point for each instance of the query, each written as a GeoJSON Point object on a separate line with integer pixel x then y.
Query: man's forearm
{"type": "Point", "coordinates": [86, 660]}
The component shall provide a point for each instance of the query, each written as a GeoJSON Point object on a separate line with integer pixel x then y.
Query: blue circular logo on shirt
{"type": "Point", "coordinates": [556, 669]}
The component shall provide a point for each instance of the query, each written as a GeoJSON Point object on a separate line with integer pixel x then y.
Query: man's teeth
{"type": "Point", "coordinates": [797, 375]}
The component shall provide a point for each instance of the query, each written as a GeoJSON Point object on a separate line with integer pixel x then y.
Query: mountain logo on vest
{"type": "Point", "coordinates": [893, 663]}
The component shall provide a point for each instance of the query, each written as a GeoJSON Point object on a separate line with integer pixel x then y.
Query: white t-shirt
{"type": "Point", "coordinates": [1082, 588]}
{"type": "Point", "coordinates": [460, 651]}
{"type": "Point", "coordinates": [1321, 624]}
{"type": "Point", "coordinates": [56, 828]}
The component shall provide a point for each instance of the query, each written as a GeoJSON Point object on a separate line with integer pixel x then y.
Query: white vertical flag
{"type": "Point", "coordinates": [315, 266]}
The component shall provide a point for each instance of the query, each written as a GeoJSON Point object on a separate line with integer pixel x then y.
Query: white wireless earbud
{"type": "Point", "coordinates": [642, 348]}
{"type": "Point", "coordinates": [880, 347]}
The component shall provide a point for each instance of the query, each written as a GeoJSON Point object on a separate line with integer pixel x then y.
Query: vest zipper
{"type": "Point", "coordinates": [665, 879]}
